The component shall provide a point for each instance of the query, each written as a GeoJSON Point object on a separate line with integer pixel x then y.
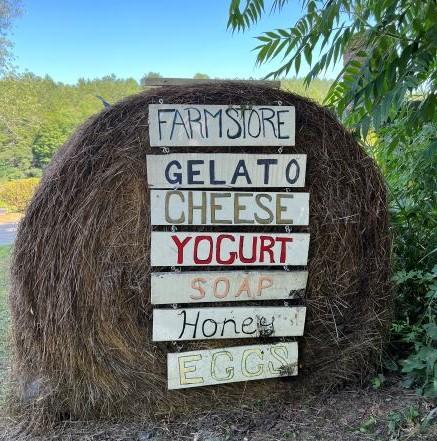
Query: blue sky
{"type": "Point", "coordinates": [70, 39]}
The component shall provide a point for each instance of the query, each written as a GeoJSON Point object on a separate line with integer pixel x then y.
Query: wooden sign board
{"type": "Point", "coordinates": [221, 170]}
{"type": "Point", "coordinates": [226, 286]}
{"type": "Point", "coordinates": [178, 207]}
{"type": "Point", "coordinates": [219, 323]}
{"type": "Point", "coordinates": [228, 249]}
{"type": "Point", "coordinates": [230, 365]}
{"type": "Point", "coordinates": [172, 125]}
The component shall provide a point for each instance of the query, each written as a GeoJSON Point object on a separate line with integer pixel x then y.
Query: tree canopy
{"type": "Point", "coordinates": [9, 9]}
{"type": "Point", "coordinates": [392, 46]}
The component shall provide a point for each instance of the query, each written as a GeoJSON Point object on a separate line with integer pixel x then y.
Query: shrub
{"type": "Point", "coordinates": [409, 164]}
{"type": "Point", "coordinates": [15, 195]}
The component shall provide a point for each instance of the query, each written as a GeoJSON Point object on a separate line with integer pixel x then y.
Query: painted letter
{"type": "Point", "coordinates": [196, 283]}
{"type": "Point", "coordinates": [229, 370]}
{"type": "Point", "coordinates": [180, 245]}
{"type": "Point", "coordinates": [184, 369]}
{"type": "Point", "coordinates": [244, 363]}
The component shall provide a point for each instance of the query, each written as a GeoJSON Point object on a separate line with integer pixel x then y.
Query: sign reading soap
{"type": "Point", "coordinates": [172, 125]}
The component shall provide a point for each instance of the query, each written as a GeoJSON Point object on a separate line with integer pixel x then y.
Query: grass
{"type": "Point", "coordinates": [5, 252]}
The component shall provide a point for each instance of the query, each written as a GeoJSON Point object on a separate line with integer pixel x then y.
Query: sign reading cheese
{"type": "Point", "coordinates": [178, 207]}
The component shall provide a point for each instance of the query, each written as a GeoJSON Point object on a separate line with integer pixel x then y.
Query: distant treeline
{"type": "Point", "coordinates": [37, 115]}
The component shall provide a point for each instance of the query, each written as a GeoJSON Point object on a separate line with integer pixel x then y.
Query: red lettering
{"type": "Point", "coordinates": [266, 248]}
{"type": "Point", "coordinates": [197, 241]}
{"type": "Point", "coordinates": [241, 251]}
{"type": "Point", "coordinates": [180, 246]}
{"type": "Point", "coordinates": [232, 255]}
{"type": "Point", "coordinates": [283, 241]}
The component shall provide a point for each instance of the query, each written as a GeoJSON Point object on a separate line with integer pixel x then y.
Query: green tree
{"type": "Point", "coordinates": [201, 76]}
{"type": "Point", "coordinates": [37, 115]}
{"type": "Point", "coordinates": [47, 141]}
{"type": "Point", "coordinates": [387, 85]}
{"type": "Point", "coordinates": [150, 76]}
{"type": "Point", "coordinates": [9, 9]}
{"type": "Point", "coordinates": [393, 43]}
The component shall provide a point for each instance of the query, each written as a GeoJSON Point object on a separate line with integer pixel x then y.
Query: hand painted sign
{"type": "Point", "coordinates": [226, 286]}
{"type": "Point", "coordinates": [228, 249]}
{"type": "Point", "coordinates": [229, 365]}
{"type": "Point", "coordinates": [220, 323]}
{"type": "Point", "coordinates": [220, 170]}
{"type": "Point", "coordinates": [220, 125]}
{"type": "Point", "coordinates": [177, 207]}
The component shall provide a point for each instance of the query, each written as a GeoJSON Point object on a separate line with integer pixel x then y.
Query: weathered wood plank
{"type": "Point", "coordinates": [203, 125]}
{"type": "Point", "coordinates": [178, 207]}
{"type": "Point", "coordinates": [220, 323]}
{"type": "Point", "coordinates": [226, 286]}
{"type": "Point", "coordinates": [230, 365]}
{"type": "Point", "coordinates": [228, 249]}
{"type": "Point", "coordinates": [221, 170]}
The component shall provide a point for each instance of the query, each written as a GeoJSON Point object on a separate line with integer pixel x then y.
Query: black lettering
{"type": "Point", "coordinates": [175, 123]}
{"type": "Point", "coordinates": [259, 124]}
{"type": "Point", "coordinates": [281, 123]}
{"type": "Point", "coordinates": [229, 321]}
{"type": "Point", "coordinates": [177, 177]}
{"type": "Point", "coordinates": [241, 165]}
{"type": "Point", "coordinates": [196, 120]}
{"type": "Point", "coordinates": [212, 174]}
{"type": "Point", "coordinates": [248, 321]}
{"type": "Point", "coordinates": [160, 121]}
{"type": "Point", "coordinates": [237, 134]}
{"type": "Point", "coordinates": [294, 163]}
{"type": "Point", "coordinates": [267, 163]}
{"type": "Point", "coordinates": [203, 327]}
{"type": "Point", "coordinates": [214, 115]}
{"type": "Point", "coordinates": [269, 119]}
{"type": "Point", "coordinates": [243, 119]}
{"type": "Point", "coordinates": [191, 172]}
{"type": "Point", "coordinates": [184, 313]}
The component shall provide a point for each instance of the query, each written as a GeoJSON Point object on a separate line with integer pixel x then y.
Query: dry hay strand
{"type": "Point", "coordinates": [80, 298]}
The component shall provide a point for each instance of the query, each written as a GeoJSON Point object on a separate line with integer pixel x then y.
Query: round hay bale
{"type": "Point", "coordinates": [80, 297]}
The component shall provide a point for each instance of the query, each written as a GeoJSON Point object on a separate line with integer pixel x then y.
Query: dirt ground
{"type": "Point", "coordinates": [390, 413]}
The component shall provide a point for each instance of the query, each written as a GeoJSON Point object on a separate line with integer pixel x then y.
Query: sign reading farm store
{"type": "Point", "coordinates": [173, 125]}
{"type": "Point", "coordinates": [196, 190]}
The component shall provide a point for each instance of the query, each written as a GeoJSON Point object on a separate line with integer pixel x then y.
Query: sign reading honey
{"type": "Point", "coordinates": [213, 190]}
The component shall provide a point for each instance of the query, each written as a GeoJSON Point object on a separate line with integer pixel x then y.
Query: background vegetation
{"type": "Point", "coordinates": [37, 115]}
{"type": "Point", "coordinates": [387, 88]}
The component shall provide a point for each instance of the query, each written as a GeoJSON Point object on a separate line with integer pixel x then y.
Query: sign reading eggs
{"type": "Point", "coordinates": [230, 192]}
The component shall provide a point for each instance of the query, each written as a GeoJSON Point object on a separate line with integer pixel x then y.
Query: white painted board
{"type": "Point", "coordinates": [229, 322]}
{"type": "Point", "coordinates": [228, 249]}
{"type": "Point", "coordinates": [195, 125]}
{"type": "Point", "coordinates": [226, 170]}
{"type": "Point", "coordinates": [188, 207]}
{"type": "Point", "coordinates": [230, 365]}
{"type": "Point", "coordinates": [226, 286]}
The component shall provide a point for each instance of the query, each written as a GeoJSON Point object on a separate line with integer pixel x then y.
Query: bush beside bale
{"type": "Point", "coordinates": [16, 195]}
{"type": "Point", "coordinates": [80, 298]}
